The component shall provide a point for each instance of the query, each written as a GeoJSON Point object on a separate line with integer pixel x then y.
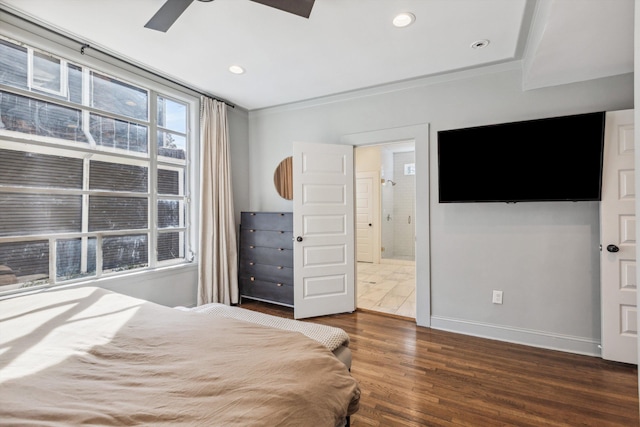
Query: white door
{"type": "Point", "coordinates": [365, 216]}
{"type": "Point", "coordinates": [618, 239]}
{"type": "Point", "coordinates": [323, 229]}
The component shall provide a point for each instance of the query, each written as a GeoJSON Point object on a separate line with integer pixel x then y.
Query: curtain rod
{"type": "Point", "coordinates": [84, 46]}
{"type": "Point", "coordinates": [88, 46]}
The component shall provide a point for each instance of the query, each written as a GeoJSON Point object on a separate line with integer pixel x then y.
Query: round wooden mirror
{"type": "Point", "coordinates": [283, 178]}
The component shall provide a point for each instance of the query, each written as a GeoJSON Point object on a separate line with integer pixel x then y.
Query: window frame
{"type": "Point", "coordinates": [155, 87]}
{"type": "Point", "coordinates": [31, 71]}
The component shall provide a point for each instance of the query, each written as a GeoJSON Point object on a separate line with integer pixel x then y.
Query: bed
{"type": "Point", "coordinates": [86, 355]}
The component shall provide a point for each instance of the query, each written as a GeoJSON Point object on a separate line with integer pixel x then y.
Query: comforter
{"type": "Point", "coordinates": [90, 356]}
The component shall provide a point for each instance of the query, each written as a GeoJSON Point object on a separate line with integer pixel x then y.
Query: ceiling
{"type": "Point", "coordinates": [347, 45]}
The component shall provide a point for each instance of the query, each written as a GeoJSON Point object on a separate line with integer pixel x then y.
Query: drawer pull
{"type": "Point", "coordinates": [252, 278]}
{"type": "Point", "coordinates": [251, 263]}
{"type": "Point", "coordinates": [279, 267]}
{"type": "Point", "coordinates": [251, 247]}
{"type": "Point", "coordinates": [281, 232]}
{"type": "Point", "coordinates": [253, 214]}
{"type": "Point", "coordinates": [278, 284]}
{"type": "Point", "coordinates": [251, 231]}
{"type": "Point", "coordinates": [281, 214]}
{"type": "Point", "coordinates": [280, 249]}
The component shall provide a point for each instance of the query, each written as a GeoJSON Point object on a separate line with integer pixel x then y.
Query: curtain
{"type": "Point", "coordinates": [218, 270]}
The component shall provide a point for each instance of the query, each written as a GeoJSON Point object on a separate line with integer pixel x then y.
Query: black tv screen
{"type": "Point", "coordinates": [553, 159]}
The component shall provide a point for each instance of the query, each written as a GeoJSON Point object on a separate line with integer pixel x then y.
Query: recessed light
{"type": "Point", "coordinates": [404, 19]}
{"type": "Point", "coordinates": [479, 44]}
{"type": "Point", "coordinates": [236, 69]}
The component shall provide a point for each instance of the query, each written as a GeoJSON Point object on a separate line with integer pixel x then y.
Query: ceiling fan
{"type": "Point", "coordinates": [172, 9]}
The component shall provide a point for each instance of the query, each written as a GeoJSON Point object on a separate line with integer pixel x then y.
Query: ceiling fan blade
{"type": "Point", "coordinates": [167, 15]}
{"type": "Point", "coordinates": [297, 7]}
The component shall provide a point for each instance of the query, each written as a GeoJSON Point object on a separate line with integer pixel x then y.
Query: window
{"type": "Point", "coordinates": [94, 176]}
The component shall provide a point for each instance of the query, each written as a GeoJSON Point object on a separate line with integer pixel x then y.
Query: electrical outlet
{"type": "Point", "coordinates": [497, 297]}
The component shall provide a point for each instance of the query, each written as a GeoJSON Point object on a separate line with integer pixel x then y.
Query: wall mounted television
{"type": "Point", "coordinates": [552, 159]}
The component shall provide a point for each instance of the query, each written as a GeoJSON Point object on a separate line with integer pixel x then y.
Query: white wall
{"type": "Point", "coordinates": [403, 217]}
{"type": "Point", "coordinates": [544, 256]}
{"type": "Point", "coordinates": [387, 200]}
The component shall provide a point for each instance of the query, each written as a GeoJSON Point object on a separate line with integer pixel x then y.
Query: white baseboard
{"type": "Point", "coordinates": [528, 337]}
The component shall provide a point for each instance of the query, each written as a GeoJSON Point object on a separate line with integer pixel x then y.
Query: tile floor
{"type": "Point", "coordinates": [389, 287]}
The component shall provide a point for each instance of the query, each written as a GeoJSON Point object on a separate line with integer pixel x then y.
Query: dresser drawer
{"type": "Point", "coordinates": [271, 239]}
{"type": "Point", "coordinates": [262, 255]}
{"type": "Point", "coordinates": [266, 256]}
{"type": "Point", "coordinates": [269, 273]}
{"type": "Point", "coordinates": [268, 291]}
{"type": "Point", "coordinates": [267, 220]}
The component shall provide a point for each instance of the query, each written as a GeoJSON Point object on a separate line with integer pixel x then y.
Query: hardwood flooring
{"type": "Point", "coordinates": [415, 376]}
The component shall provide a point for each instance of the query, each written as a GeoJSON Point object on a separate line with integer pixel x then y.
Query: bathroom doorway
{"type": "Point", "coordinates": [385, 228]}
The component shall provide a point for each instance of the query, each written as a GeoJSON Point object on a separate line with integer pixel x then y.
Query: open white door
{"type": "Point", "coordinates": [618, 239]}
{"type": "Point", "coordinates": [323, 229]}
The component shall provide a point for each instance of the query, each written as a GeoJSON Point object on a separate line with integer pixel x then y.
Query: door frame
{"type": "Point", "coordinates": [420, 135]}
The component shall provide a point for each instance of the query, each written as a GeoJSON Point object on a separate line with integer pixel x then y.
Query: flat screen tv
{"type": "Point", "coordinates": [553, 159]}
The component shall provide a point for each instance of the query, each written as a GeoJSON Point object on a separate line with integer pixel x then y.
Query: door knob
{"type": "Point", "coordinates": [299, 238]}
{"type": "Point", "coordinates": [613, 248]}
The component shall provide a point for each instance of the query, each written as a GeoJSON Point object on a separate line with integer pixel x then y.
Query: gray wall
{"type": "Point", "coordinates": [543, 256]}
{"type": "Point", "coordinates": [239, 154]}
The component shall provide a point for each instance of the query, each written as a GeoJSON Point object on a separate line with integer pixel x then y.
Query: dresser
{"type": "Point", "coordinates": [265, 270]}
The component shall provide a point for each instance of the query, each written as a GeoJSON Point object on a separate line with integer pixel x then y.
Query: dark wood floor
{"type": "Point", "coordinates": [415, 376]}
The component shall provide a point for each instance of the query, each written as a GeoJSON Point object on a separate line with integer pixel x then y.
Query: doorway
{"type": "Point", "coordinates": [385, 228]}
